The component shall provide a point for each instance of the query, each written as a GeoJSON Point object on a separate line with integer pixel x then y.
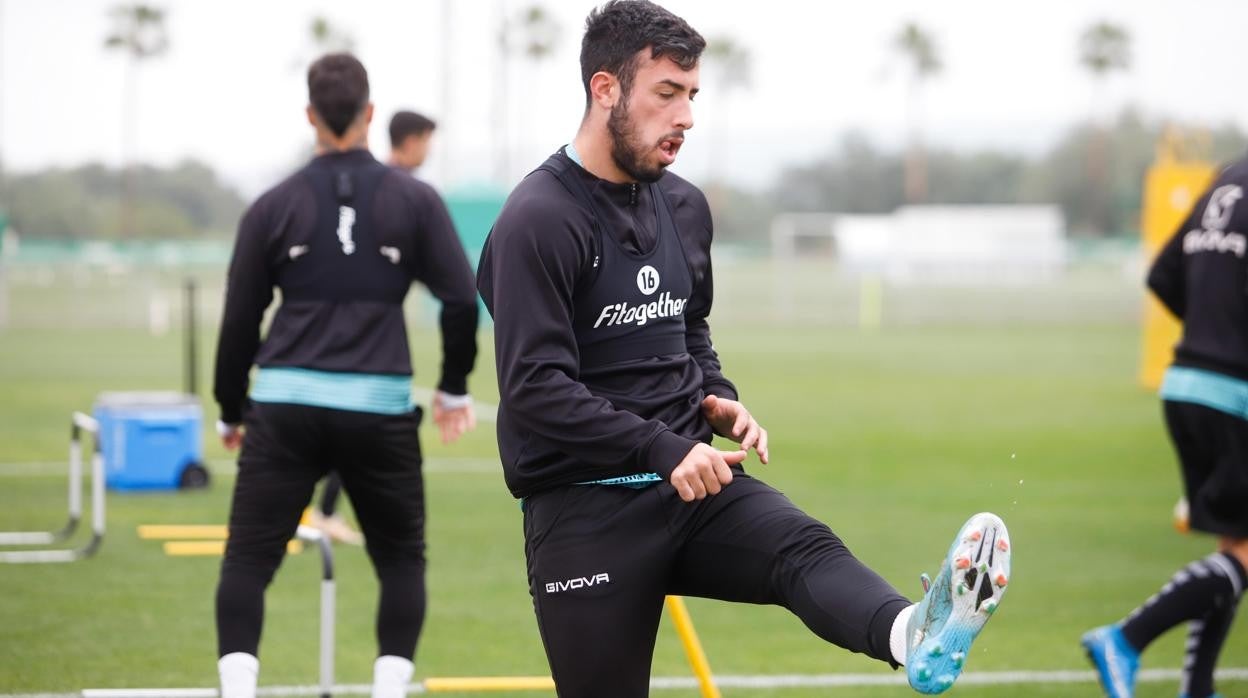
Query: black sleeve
{"type": "Point", "coordinates": [697, 329]}
{"type": "Point", "coordinates": [1165, 278]}
{"type": "Point", "coordinates": [532, 263]}
{"type": "Point", "coordinates": [442, 266]}
{"type": "Point", "coordinates": [248, 292]}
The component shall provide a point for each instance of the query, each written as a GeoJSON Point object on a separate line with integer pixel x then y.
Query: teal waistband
{"type": "Point", "coordinates": [636, 481]}
{"type": "Point", "coordinates": [1213, 390]}
{"type": "Point", "coordinates": [356, 392]}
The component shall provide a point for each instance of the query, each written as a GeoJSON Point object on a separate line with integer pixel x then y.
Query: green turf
{"type": "Point", "coordinates": [893, 438]}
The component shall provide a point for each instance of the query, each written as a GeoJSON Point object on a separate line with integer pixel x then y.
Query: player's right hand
{"type": "Point", "coordinates": [454, 415]}
{"type": "Point", "coordinates": [704, 470]}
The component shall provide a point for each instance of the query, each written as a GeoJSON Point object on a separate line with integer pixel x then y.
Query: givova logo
{"type": "Point", "coordinates": [578, 583]}
{"type": "Point", "coordinates": [1220, 207]}
{"type": "Point", "coordinates": [1214, 241]}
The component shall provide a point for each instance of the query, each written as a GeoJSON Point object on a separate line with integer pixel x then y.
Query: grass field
{"type": "Point", "coordinates": [893, 438]}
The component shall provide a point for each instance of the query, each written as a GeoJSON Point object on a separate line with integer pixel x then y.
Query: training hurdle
{"type": "Point", "coordinates": [198, 539]}
{"type": "Point", "coordinates": [79, 423]}
{"type": "Point", "coordinates": [684, 628]}
{"type": "Point", "coordinates": [447, 684]}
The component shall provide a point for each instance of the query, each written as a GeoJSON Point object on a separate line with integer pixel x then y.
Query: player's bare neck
{"type": "Point", "coordinates": [594, 147]}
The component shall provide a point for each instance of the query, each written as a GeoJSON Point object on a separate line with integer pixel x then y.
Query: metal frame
{"type": "Point", "coordinates": [328, 600]}
{"type": "Point", "coordinates": [326, 689]}
{"type": "Point", "coordinates": [79, 423]}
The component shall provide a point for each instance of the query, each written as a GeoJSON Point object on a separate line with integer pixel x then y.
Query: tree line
{"type": "Point", "coordinates": [189, 200]}
{"type": "Point", "coordinates": [857, 176]}
{"type": "Point", "coordinates": [184, 201]}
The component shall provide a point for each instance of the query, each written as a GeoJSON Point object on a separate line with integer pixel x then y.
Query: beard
{"type": "Point", "coordinates": [626, 150]}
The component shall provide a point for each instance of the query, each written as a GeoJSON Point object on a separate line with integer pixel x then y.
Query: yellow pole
{"type": "Point", "coordinates": [693, 648]}
{"type": "Point", "coordinates": [1171, 187]}
{"type": "Point", "coordinates": [684, 627]}
{"type": "Point", "coordinates": [870, 303]}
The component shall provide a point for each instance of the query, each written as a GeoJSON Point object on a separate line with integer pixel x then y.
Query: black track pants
{"type": "Point", "coordinates": [286, 450]}
{"type": "Point", "coordinates": [602, 558]}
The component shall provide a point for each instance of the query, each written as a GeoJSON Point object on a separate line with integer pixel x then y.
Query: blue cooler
{"type": "Point", "coordinates": [151, 440]}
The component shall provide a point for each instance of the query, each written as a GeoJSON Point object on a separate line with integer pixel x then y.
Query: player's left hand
{"type": "Point", "coordinates": [453, 415]}
{"type": "Point", "coordinates": [730, 418]}
{"type": "Point", "coordinates": [231, 435]}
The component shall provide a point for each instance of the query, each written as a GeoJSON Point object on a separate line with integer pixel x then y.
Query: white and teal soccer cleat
{"type": "Point", "coordinates": [972, 580]}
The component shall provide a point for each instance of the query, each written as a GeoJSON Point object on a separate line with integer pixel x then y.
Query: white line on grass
{"type": "Point", "coordinates": [229, 467]}
{"type": "Point", "coordinates": [983, 678]}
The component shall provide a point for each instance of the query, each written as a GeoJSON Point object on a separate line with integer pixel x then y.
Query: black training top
{"type": "Point", "coordinates": [570, 411]}
{"type": "Point", "coordinates": [343, 239]}
{"type": "Point", "coordinates": [1200, 275]}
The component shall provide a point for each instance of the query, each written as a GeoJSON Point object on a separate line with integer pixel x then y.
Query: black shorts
{"type": "Point", "coordinates": [601, 558]}
{"type": "Point", "coordinates": [1213, 452]}
{"type": "Point", "coordinates": [287, 449]}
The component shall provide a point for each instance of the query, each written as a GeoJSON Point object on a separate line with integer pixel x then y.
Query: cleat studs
{"type": "Point", "coordinates": [962, 563]}
{"type": "Point", "coordinates": [1001, 579]}
{"type": "Point", "coordinates": [923, 671]}
{"type": "Point", "coordinates": [990, 607]}
{"type": "Point", "coordinates": [936, 650]}
{"type": "Point", "coordinates": [983, 568]}
{"type": "Point", "coordinates": [1003, 546]}
{"type": "Point", "coordinates": [962, 588]}
{"type": "Point", "coordinates": [958, 659]}
{"type": "Point", "coordinates": [975, 536]}
{"type": "Point", "coordinates": [945, 681]}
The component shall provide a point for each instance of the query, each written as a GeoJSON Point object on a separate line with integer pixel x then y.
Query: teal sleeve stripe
{"type": "Point", "coordinates": [356, 392]}
{"type": "Point", "coordinates": [1213, 390]}
{"type": "Point", "coordinates": [637, 481]}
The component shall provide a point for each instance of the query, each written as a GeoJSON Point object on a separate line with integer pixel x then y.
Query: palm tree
{"type": "Point", "coordinates": [727, 63]}
{"type": "Point", "coordinates": [531, 35]}
{"type": "Point", "coordinates": [917, 47]}
{"type": "Point", "coordinates": [1104, 48]}
{"type": "Point", "coordinates": [323, 37]}
{"type": "Point", "coordinates": [139, 32]}
{"type": "Point", "coordinates": [328, 38]}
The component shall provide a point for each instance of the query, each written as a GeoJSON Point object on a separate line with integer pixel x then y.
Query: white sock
{"type": "Point", "coordinates": [238, 672]}
{"type": "Point", "coordinates": [391, 675]}
{"type": "Point", "coordinates": [897, 636]}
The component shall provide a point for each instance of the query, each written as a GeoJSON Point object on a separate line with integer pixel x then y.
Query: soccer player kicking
{"type": "Point", "coordinates": [598, 276]}
{"type": "Point", "coordinates": [1201, 275]}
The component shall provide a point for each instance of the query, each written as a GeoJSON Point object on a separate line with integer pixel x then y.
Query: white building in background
{"type": "Point", "coordinates": [933, 244]}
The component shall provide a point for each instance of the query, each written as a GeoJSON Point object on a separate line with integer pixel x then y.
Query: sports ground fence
{"type": "Point", "coordinates": [142, 288]}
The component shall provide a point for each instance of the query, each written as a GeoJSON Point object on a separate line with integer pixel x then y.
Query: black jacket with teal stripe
{"type": "Point", "coordinates": [1201, 275]}
{"type": "Point", "coordinates": [571, 410]}
{"type": "Point", "coordinates": [342, 239]}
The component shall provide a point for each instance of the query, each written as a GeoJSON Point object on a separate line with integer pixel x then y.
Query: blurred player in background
{"type": "Point", "coordinates": [598, 275]}
{"type": "Point", "coordinates": [342, 239]}
{"type": "Point", "coordinates": [410, 134]}
{"type": "Point", "coordinates": [1201, 275]}
{"type": "Point", "coordinates": [326, 516]}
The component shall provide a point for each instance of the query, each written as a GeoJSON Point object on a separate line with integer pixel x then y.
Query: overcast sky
{"type": "Point", "coordinates": [230, 90]}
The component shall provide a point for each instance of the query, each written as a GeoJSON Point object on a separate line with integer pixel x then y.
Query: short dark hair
{"type": "Point", "coordinates": [338, 90]}
{"type": "Point", "coordinates": [615, 32]}
{"type": "Point", "coordinates": [408, 123]}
